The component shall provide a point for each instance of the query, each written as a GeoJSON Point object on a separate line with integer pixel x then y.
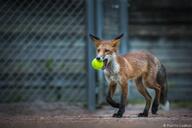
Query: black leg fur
{"type": "Point", "coordinates": [155, 106]}
{"type": "Point", "coordinates": [144, 113]}
{"type": "Point", "coordinates": [121, 110]}
{"type": "Point", "coordinates": [112, 102]}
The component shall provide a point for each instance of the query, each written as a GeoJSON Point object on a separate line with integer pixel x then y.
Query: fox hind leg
{"type": "Point", "coordinates": [142, 89]}
{"type": "Point", "coordinates": [155, 105]}
{"type": "Point", "coordinates": [160, 86]}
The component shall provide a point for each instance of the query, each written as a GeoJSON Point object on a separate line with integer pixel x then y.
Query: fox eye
{"type": "Point", "coordinates": [98, 50]}
{"type": "Point", "coordinates": [107, 50]}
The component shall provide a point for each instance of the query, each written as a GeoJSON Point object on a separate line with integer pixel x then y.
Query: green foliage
{"type": "Point", "coordinates": [182, 104]}
{"type": "Point", "coordinates": [49, 65]}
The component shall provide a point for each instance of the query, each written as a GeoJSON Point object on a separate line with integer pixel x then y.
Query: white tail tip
{"type": "Point", "coordinates": [166, 106]}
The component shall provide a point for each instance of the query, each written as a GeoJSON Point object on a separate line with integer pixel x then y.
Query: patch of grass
{"type": "Point", "coordinates": [174, 104]}
{"type": "Point", "coordinates": [132, 102]}
{"type": "Point", "coordinates": [182, 104]}
{"type": "Point", "coordinates": [136, 101]}
{"type": "Point", "coordinates": [18, 98]}
{"type": "Point", "coordinates": [62, 66]}
{"type": "Point", "coordinates": [49, 65]}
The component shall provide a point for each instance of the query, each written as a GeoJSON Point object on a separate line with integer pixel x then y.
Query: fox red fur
{"type": "Point", "coordinates": [142, 67]}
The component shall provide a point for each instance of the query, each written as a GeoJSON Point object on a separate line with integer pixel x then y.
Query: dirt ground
{"type": "Point", "coordinates": [60, 115]}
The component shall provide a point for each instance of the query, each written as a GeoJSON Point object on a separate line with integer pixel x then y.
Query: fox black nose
{"type": "Point", "coordinates": [98, 58]}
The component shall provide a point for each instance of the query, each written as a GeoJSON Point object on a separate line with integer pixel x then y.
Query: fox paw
{"type": "Point", "coordinates": [154, 110]}
{"type": "Point", "coordinates": [117, 115]}
{"type": "Point", "coordinates": [143, 114]}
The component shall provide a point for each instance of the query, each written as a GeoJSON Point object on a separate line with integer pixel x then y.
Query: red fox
{"type": "Point", "coordinates": [142, 67]}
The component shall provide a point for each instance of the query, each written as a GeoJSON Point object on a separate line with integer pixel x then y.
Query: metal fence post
{"type": "Point", "coordinates": [124, 25]}
{"type": "Point", "coordinates": [99, 30]}
{"type": "Point", "coordinates": [89, 49]}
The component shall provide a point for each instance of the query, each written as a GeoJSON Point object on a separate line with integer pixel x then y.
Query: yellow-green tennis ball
{"type": "Point", "coordinates": [97, 64]}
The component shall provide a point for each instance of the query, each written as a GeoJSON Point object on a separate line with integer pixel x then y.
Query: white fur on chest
{"type": "Point", "coordinates": [112, 74]}
{"type": "Point", "coordinates": [112, 77]}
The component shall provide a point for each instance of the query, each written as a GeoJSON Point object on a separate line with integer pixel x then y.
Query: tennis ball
{"type": "Point", "coordinates": [96, 64]}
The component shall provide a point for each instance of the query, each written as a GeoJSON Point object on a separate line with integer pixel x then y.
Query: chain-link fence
{"type": "Point", "coordinates": [44, 54]}
{"type": "Point", "coordinates": [42, 50]}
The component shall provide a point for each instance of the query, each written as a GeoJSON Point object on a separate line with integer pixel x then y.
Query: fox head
{"type": "Point", "coordinates": [106, 49]}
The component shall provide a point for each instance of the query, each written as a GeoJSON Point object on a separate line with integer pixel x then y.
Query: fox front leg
{"type": "Point", "coordinates": [111, 91]}
{"type": "Point", "coordinates": [123, 102]}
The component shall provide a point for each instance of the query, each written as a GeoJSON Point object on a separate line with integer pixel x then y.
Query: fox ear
{"type": "Point", "coordinates": [116, 40]}
{"type": "Point", "coordinates": [118, 37]}
{"type": "Point", "coordinates": [96, 40]}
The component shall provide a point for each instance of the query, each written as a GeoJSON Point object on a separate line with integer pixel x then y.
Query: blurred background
{"type": "Point", "coordinates": [45, 51]}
